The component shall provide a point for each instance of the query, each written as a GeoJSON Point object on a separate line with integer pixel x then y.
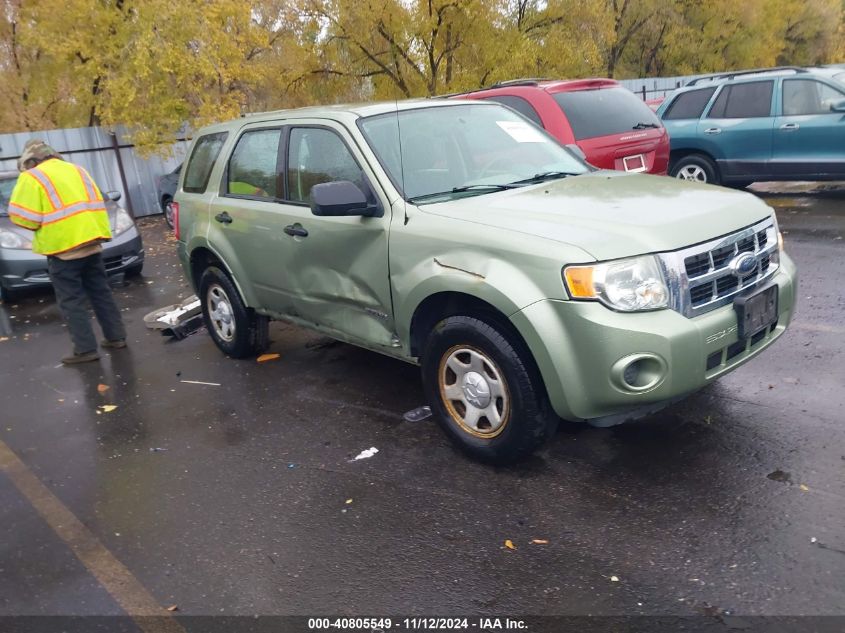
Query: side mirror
{"type": "Point", "coordinates": [341, 198]}
{"type": "Point", "coordinates": [114, 196]}
{"type": "Point", "coordinates": [572, 147]}
{"type": "Point", "coordinates": [839, 106]}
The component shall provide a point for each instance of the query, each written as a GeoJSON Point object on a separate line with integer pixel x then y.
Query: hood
{"type": "Point", "coordinates": [613, 214]}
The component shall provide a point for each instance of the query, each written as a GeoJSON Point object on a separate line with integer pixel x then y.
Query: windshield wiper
{"type": "Point", "coordinates": [644, 126]}
{"type": "Point", "coordinates": [481, 188]}
{"type": "Point", "coordinates": [543, 176]}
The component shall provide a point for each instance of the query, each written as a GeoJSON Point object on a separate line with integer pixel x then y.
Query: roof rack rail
{"type": "Point", "coordinates": [740, 73]}
{"type": "Point", "coordinates": [527, 81]}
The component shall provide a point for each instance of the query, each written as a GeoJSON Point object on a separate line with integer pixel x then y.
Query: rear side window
{"type": "Point", "coordinates": [806, 96]}
{"type": "Point", "coordinates": [253, 167]}
{"type": "Point", "coordinates": [744, 101]}
{"type": "Point", "coordinates": [689, 105]}
{"type": "Point", "coordinates": [520, 105]}
{"type": "Point", "coordinates": [603, 112]}
{"type": "Point", "coordinates": [317, 155]}
{"type": "Point", "coordinates": [206, 150]}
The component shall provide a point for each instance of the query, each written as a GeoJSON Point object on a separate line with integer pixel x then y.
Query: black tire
{"type": "Point", "coordinates": [696, 167]}
{"type": "Point", "coordinates": [526, 416]}
{"type": "Point", "coordinates": [167, 209]}
{"type": "Point", "coordinates": [233, 327]}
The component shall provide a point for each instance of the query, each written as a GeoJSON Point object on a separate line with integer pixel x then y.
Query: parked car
{"type": "Point", "coordinates": [459, 236]}
{"type": "Point", "coordinates": [771, 124]}
{"type": "Point", "coordinates": [611, 125]}
{"type": "Point", "coordinates": [166, 189]}
{"type": "Point", "coordinates": [21, 269]}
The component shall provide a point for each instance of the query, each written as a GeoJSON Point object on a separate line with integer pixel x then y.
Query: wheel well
{"type": "Point", "coordinates": [165, 199]}
{"type": "Point", "coordinates": [445, 304]}
{"type": "Point", "coordinates": [676, 154]}
{"type": "Point", "coordinates": [202, 258]}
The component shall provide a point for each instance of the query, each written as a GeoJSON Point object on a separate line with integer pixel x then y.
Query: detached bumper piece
{"type": "Point", "coordinates": [178, 320]}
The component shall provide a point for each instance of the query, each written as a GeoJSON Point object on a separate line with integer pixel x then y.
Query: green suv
{"type": "Point", "coordinates": [458, 236]}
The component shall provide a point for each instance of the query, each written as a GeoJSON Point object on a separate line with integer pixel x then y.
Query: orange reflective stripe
{"type": "Point", "coordinates": [66, 215]}
{"type": "Point", "coordinates": [48, 186]}
{"type": "Point", "coordinates": [90, 188]}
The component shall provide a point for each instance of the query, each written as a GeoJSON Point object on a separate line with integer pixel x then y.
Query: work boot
{"type": "Point", "coordinates": [75, 358]}
{"type": "Point", "coordinates": [120, 344]}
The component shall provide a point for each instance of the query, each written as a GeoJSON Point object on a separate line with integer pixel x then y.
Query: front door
{"type": "Point", "coordinates": [809, 138]}
{"type": "Point", "coordinates": [336, 268]}
{"type": "Point", "coordinates": [739, 129]}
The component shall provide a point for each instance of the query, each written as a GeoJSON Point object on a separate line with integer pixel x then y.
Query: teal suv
{"type": "Point", "coordinates": [776, 124]}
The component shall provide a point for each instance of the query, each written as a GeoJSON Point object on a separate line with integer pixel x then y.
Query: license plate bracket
{"type": "Point", "coordinates": [634, 163]}
{"type": "Point", "coordinates": [756, 312]}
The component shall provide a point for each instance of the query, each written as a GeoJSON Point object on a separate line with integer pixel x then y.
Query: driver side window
{"type": "Point", "coordinates": [318, 155]}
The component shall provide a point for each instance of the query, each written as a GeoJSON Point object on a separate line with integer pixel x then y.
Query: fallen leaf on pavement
{"type": "Point", "coordinates": [103, 388]}
{"type": "Point", "coordinates": [540, 541]}
{"type": "Point", "coordinates": [348, 501]}
{"type": "Point", "coordinates": [3, 339]}
{"type": "Point", "coordinates": [509, 544]}
{"type": "Point", "coordinates": [614, 579]}
{"type": "Point", "coordinates": [108, 408]}
{"type": "Point", "coordinates": [173, 607]}
{"type": "Point", "coordinates": [804, 488]}
{"type": "Point", "coordinates": [265, 357]}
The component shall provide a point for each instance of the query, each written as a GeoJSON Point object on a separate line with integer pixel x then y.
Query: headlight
{"type": "Point", "coordinates": [123, 221]}
{"type": "Point", "coordinates": [627, 285]}
{"type": "Point", "coordinates": [10, 239]}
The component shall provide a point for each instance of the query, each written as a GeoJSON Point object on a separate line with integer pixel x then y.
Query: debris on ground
{"type": "Point", "coordinates": [173, 607]}
{"type": "Point", "coordinates": [157, 449]}
{"type": "Point", "coordinates": [781, 476]}
{"type": "Point", "coordinates": [614, 579]}
{"type": "Point", "coordinates": [265, 357]}
{"type": "Point", "coordinates": [106, 408]}
{"type": "Point", "coordinates": [509, 544]}
{"type": "Point", "coordinates": [804, 487]}
{"type": "Point", "coordinates": [3, 339]}
{"type": "Point", "coordinates": [366, 454]}
{"type": "Point", "coordinates": [348, 501]}
{"type": "Point", "coordinates": [200, 382]}
{"type": "Point", "coordinates": [417, 415]}
{"type": "Point", "coordinates": [177, 320]}
{"type": "Point", "coordinates": [539, 541]}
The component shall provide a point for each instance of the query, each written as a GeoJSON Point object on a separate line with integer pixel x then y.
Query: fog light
{"type": "Point", "coordinates": [638, 372]}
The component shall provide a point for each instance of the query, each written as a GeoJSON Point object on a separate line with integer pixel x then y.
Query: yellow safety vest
{"type": "Point", "coordinates": [60, 202]}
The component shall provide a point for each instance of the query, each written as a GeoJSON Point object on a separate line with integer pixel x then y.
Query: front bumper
{"type": "Point", "coordinates": [579, 346]}
{"type": "Point", "coordinates": [21, 269]}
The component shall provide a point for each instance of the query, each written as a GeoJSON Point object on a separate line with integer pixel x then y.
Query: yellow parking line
{"type": "Point", "coordinates": [114, 577]}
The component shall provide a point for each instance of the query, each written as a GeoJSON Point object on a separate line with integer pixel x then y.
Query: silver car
{"type": "Point", "coordinates": [20, 268]}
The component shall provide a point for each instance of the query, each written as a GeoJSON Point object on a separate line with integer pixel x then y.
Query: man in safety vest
{"type": "Point", "coordinates": [61, 203]}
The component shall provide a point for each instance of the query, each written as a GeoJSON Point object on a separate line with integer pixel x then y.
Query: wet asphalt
{"type": "Point", "coordinates": [244, 498]}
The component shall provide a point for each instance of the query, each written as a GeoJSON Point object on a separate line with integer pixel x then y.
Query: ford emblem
{"type": "Point", "coordinates": [743, 264]}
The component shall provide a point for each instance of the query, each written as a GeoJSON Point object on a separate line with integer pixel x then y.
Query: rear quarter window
{"type": "Point", "coordinates": [201, 162]}
{"type": "Point", "coordinates": [520, 105]}
{"type": "Point", "coordinates": [689, 105]}
{"type": "Point", "coordinates": [603, 112]}
{"type": "Point", "coordinates": [744, 101]}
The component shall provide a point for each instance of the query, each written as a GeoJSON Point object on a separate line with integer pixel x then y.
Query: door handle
{"type": "Point", "coordinates": [713, 130]}
{"type": "Point", "coordinates": [297, 230]}
{"type": "Point", "coordinates": [789, 126]}
{"type": "Point", "coordinates": [223, 218]}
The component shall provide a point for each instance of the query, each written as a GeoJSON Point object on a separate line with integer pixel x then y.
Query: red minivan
{"type": "Point", "coordinates": [612, 126]}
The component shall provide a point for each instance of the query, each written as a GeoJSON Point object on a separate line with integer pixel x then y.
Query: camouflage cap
{"type": "Point", "coordinates": [35, 149]}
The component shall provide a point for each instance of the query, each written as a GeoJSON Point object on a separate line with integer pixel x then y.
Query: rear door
{"type": "Point", "coordinates": [616, 129]}
{"type": "Point", "coordinates": [737, 130]}
{"type": "Point", "coordinates": [809, 139]}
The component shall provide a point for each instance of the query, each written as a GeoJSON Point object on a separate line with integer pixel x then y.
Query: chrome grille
{"type": "Point", "coordinates": [701, 278]}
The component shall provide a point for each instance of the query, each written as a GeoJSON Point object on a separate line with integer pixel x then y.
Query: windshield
{"type": "Point", "coordinates": [6, 186]}
{"type": "Point", "coordinates": [594, 113]}
{"type": "Point", "coordinates": [464, 150]}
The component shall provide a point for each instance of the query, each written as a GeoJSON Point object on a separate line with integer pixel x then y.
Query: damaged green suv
{"type": "Point", "coordinates": [459, 236]}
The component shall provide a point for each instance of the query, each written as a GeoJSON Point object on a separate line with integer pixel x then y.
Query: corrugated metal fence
{"type": "Point", "coordinates": [111, 161]}
{"type": "Point", "coordinates": [655, 87]}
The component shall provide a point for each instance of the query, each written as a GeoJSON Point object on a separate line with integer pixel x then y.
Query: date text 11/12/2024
{"type": "Point", "coordinates": [376, 625]}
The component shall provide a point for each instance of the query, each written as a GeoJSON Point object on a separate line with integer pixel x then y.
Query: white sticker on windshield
{"type": "Point", "coordinates": [522, 132]}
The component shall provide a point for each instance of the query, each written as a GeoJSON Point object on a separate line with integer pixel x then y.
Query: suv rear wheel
{"type": "Point", "coordinates": [167, 207]}
{"type": "Point", "coordinates": [235, 329]}
{"type": "Point", "coordinates": [695, 167]}
{"type": "Point", "coordinates": [485, 391]}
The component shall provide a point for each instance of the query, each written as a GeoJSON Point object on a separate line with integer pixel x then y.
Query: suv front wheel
{"type": "Point", "coordinates": [485, 391]}
{"type": "Point", "coordinates": [695, 167]}
{"type": "Point", "coordinates": [235, 329]}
